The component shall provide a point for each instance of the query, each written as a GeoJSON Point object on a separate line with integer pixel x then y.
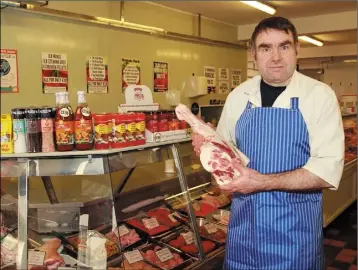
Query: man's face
{"type": "Point", "coordinates": [275, 54]}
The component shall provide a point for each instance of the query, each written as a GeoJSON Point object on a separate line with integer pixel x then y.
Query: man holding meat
{"type": "Point", "coordinates": [290, 128]}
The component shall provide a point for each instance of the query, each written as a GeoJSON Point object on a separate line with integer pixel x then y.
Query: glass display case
{"type": "Point", "coordinates": [132, 208]}
{"type": "Point", "coordinates": [336, 201]}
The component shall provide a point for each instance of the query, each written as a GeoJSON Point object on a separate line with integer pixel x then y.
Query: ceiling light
{"type": "Point", "coordinates": [350, 61]}
{"type": "Point", "coordinates": [311, 40]}
{"type": "Point", "coordinates": [260, 6]}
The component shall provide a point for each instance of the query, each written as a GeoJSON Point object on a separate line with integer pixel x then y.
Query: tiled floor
{"type": "Point", "coordinates": [340, 241]}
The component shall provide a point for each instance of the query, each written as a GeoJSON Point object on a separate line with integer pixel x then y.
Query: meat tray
{"type": "Point", "coordinates": [220, 216]}
{"type": "Point", "coordinates": [187, 260]}
{"type": "Point", "coordinates": [177, 233]}
{"type": "Point", "coordinates": [142, 236]}
{"type": "Point", "coordinates": [122, 264]}
{"type": "Point", "coordinates": [111, 247]}
{"type": "Point", "coordinates": [137, 223]}
{"type": "Point", "coordinates": [203, 210]}
{"type": "Point", "coordinates": [213, 236]}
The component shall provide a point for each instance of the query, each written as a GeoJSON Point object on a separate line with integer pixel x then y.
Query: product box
{"type": "Point", "coordinates": [7, 141]}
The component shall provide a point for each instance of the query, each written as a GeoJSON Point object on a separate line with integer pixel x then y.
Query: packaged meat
{"type": "Point", "coordinates": [52, 259]}
{"type": "Point", "coordinates": [216, 154]}
{"type": "Point", "coordinates": [164, 216]}
{"type": "Point", "coordinates": [184, 240]}
{"type": "Point", "coordinates": [123, 236]}
{"type": "Point", "coordinates": [147, 224]}
{"type": "Point", "coordinates": [162, 256]}
{"type": "Point", "coordinates": [212, 231]}
{"type": "Point", "coordinates": [201, 208]}
{"type": "Point", "coordinates": [110, 246]}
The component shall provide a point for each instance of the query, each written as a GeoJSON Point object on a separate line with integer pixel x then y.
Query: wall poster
{"type": "Point", "coordinates": [224, 85]}
{"type": "Point", "coordinates": [54, 72]}
{"type": "Point", "coordinates": [8, 71]}
{"type": "Point", "coordinates": [235, 78]}
{"type": "Point", "coordinates": [160, 73]}
{"type": "Point", "coordinates": [210, 74]}
{"type": "Point", "coordinates": [97, 75]}
{"type": "Point", "coordinates": [130, 72]}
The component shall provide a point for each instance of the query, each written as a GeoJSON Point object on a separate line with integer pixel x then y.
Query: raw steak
{"type": "Point", "coordinates": [216, 154]}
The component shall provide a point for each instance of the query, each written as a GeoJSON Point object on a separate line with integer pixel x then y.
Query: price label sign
{"type": "Point", "coordinates": [36, 257]}
{"type": "Point", "coordinates": [133, 256]}
{"type": "Point", "coordinates": [123, 230]}
{"type": "Point", "coordinates": [172, 218]}
{"type": "Point", "coordinates": [164, 254]}
{"type": "Point", "coordinates": [223, 199]}
{"type": "Point", "coordinates": [211, 228]}
{"type": "Point", "coordinates": [9, 242]}
{"type": "Point", "coordinates": [150, 223]}
{"type": "Point", "coordinates": [188, 238]}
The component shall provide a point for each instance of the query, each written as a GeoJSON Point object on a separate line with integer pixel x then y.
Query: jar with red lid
{"type": "Point", "coordinates": [163, 121]}
{"type": "Point", "coordinates": [140, 125]}
{"type": "Point", "coordinates": [119, 131]}
{"type": "Point", "coordinates": [102, 130]}
{"type": "Point", "coordinates": [152, 122]}
{"type": "Point", "coordinates": [174, 123]}
{"type": "Point", "coordinates": [131, 129]}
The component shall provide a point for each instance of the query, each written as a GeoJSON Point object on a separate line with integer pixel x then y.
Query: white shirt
{"type": "Point", "coordinates": [321, 113]}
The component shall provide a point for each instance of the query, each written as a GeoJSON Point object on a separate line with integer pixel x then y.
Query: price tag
{"type": "Point", "coordinates": [172, 218]}
{"type": "Point", "coordinates": [164, 254]}
{"type": "Point", "coordinates": [122, 231]}
{"type": "Point", "coordinates": [196, 206]}
{"type": "Point", "coordinates": [36, 257]}
{"type": "Point", "coordinates": [150, 223]}
{"type": "Point", "coordinates": [223, 199]}
{"type": "Point", "coordinates": [9, 242]}
{"type": "Point", "coordinates": [188, 237]}
{"type": "Point", "coordinates": [133, 256]}
{"type": "Point", "coordinates": [211, 228]}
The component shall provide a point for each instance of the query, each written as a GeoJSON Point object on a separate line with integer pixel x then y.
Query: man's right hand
{"type": "Point", "coordinates": [198, 140]}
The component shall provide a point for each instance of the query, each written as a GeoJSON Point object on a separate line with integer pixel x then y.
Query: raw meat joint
{"type": "Point", "coordinates": [216, 154]}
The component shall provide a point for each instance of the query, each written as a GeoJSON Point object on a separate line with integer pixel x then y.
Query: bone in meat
{"type": "Point", "coordinates": [216, 154]}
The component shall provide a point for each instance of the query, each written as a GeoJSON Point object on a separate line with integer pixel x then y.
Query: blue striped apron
{"type": "Point", "coordinates": [276, 229]}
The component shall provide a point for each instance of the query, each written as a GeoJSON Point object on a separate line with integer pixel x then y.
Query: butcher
{"type": "Point", "coordinates": [290, 128]}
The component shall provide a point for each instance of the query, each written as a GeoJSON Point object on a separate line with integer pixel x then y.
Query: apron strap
{"type": "Point", "coordinates": [248, 105]}
{"type": "Point", "coordinates": [294, 103]}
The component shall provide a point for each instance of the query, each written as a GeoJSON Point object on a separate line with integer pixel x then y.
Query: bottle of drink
{"type": "Point", "coordinates": [64, 125]}
{"type": "Point", "coordinates": [83, 124]}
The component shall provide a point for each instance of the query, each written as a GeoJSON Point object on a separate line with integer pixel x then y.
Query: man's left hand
{"type": "Point", "coordinates": [249, 180]}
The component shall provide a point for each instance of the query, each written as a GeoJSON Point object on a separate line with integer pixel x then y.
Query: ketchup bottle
{"type": "Point", "coordinates": [83, 124]}
{"type": "Point", "coordinates": [64, 125]}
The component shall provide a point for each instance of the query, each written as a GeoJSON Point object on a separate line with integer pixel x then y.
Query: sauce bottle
{"type": "Point", "coordinates": [83, 124]}
{"type": "Point", "coordinates": [64, 125]}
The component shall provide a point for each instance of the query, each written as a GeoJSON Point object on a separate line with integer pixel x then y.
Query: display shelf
{"type": "Point", "coordinates": [91, 152]}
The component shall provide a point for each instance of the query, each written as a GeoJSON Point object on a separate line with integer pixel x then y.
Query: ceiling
{"type": "Point", "coordinates": [237, 13]}
{"type": "Point", "coordinates": [334, 38]}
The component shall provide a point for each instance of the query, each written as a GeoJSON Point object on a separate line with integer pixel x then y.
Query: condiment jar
{"type": "Point", "coordinates": [102, 131]}
{"type": "Point", "coordinates": [140, 125]}
{"type": "Point", "coordinates": [163, 122]}
{"type": "Point", "coordinates": [131, 129]}
{"type": "Point", "coordinates": [33, 130]}
{"type": "Point", "coordinates": [47, 124]}
{"type": "Point", "coordinates": [152, 122]}
{"type": "Point", "coordinates": [119, 131]}
{"type": "Point", "coordinates": [174, 124]}
{"type": "Point", "coordinates": [19, 131]}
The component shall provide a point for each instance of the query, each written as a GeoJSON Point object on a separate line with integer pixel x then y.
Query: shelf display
{"type": "Point", "coordinates": [102, 205]}
{"type": "Point", "coordinates": [118, 208]}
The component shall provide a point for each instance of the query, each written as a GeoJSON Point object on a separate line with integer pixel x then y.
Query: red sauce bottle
{"type": "Point", "coordinates": [64, 125]}
{"type": "Point", "coordinates": [83, 124]}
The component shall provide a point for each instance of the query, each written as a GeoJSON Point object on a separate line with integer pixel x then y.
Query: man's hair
{"type": "Point", "coordinates": [278, 23]}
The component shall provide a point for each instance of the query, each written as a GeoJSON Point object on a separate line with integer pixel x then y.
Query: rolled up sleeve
{"type": "Point", "coordinates": [327, 143]}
